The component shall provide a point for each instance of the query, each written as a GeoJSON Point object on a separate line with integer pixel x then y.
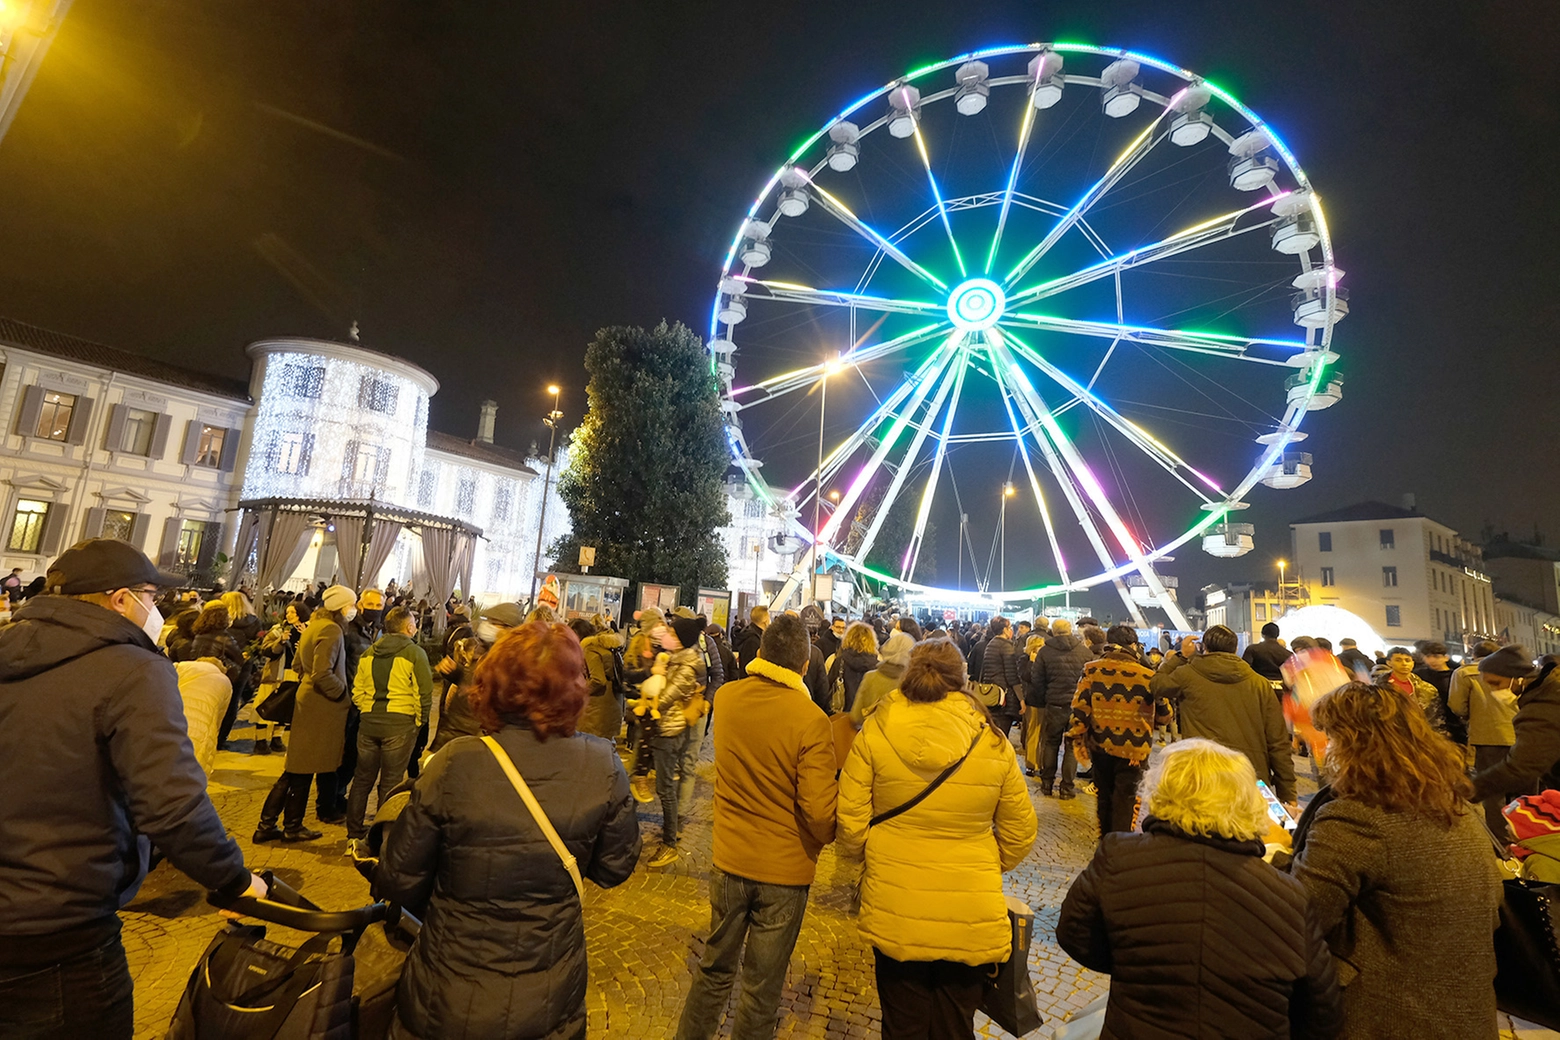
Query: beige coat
{"type": "Point", "coordinates": [205, 690]}
{"type": "Point", "coordinates": [1488, 712]}
{"type": "Point", "coordinates": [319, 724]}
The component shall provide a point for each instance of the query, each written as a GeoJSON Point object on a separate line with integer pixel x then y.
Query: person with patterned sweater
{"type": "Point", "coordinates": [1114, 713]}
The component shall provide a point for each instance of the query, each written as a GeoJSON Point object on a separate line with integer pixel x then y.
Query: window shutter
{"type": "Point", "coordinates": [116, 427]}
{"type": "Point", "coordinates": [160, 436]}
{"type": "Point", "coordinates": [191, 442]}
{"type": "Point", "coordinates": [349, 462]}
{"type": "Point", "coordinates": [229, 450]}
{"type": "Point", "coordinates": [27, 416]}
{"type": "Point", "coordinates": [305, 454]}
{"type": "Point", "coordinates": [94, 526]}
{"type": "Point", "coordinates": [80, 419]}
{"type": "Point", "coordinates": [138, 528]}
{"type": "Point", "coordinates": [382, 467]}
{"type": "Point", "coordinates": [53, 525]}
{"type": "Point", "coordinates": [170, 540]}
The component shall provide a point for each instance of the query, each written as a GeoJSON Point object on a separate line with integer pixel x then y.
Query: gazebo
{"type": "Point", "coordinates": [277, 531]}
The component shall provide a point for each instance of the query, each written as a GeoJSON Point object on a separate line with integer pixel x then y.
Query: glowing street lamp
{"type": "Point", "coordinates": [834, 367]}
{"type": "Point", "coordinates": [551, 420]}
{"type": "Point", "coordinates": [1008, 491]}
{"type": "Point", "coordinates": [1281, 597]}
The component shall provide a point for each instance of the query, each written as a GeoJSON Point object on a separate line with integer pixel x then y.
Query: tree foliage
{"type": "Point", "coordinates": [644, 480]}
{"type": "Point", "coordinates": [888, 549]}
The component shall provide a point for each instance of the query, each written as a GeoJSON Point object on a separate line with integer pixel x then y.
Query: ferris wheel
{"type": "Point", "coordinates": [1089, 274]}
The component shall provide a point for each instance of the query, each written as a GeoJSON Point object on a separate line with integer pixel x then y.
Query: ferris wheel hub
{"type": "Point", "coordinates": [976, 304]}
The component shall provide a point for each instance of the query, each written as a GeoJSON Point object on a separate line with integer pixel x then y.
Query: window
{"type": "Point", "coordinates": [54, 416]}
{"type": "Point", "coordinates": [291, 453]}
{"type": "Point", "coordinates": [378, 395]}
{"type": "Point", "coordinates": [466, 496]}
{"type": "Point", "coordinates": [27, 527]}
{"type": "Point", "coordinates": [305, 381]}
{"type": "Point", "coordinates": [1324, 541]}
{"type": "Point", "coordinates": [118, 524]}
{"type": "Point", "coordinates": [209, 450]}
{"type": "Point", "coordinates": [1437, 617]}
{"type": "Point", "coordinates": [1389, 577]}
{"type": "Point", "coordinates": [1394, 616]}
{"type": "Point", "coordinates": [1259, 611]}
{"type": "Point", "coordinates": [369, 464]}
{"type": "Point", "coordinates": [502, 498]}
{"type": "Point", "coordinates": [427, 487]}
{"type": "Point", "coordinates": [753, 509]}
{"type": "Point", "coordinates": [1327, 576]}
{"type": "Point", "coordinates": [1387, 539]}
{"type": "Point", "coordinates": [197, 544]}
{"type": "Point", "coordinates": [137, 436]}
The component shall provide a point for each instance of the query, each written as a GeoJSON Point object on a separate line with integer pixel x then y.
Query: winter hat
{"type": "Point", "coordinates": [507, 614]}
{"type": "Point", "coordinates": [1510, 661]}
{"type": "Point", "coordinates": [650, 617]}
{"type": "Point", "coordinates": [688, 630]}
{"type": "Point", "coordinates": [896, 649]}
{"type": "Point", "coordinates": [338, 598]}
{"type": "Point", "coordinates": [683, 612]}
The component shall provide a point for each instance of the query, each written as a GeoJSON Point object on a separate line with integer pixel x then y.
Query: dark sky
{"type": "Point", "coordinates": [482, 185]}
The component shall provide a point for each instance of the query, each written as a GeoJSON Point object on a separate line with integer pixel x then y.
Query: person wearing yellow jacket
{"type": "Point", "coordinates": [931, 898]}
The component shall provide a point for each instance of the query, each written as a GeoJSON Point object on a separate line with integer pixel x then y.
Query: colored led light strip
{"type": "Point", "coordinates": [1012, 182]}
{"type": "Point", "coordinates": [942, 207]}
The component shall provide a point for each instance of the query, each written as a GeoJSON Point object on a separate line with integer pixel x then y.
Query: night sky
{"type": "Point", "coordinates": [482, 185]}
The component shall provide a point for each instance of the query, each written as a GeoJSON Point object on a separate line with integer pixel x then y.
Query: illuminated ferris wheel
{"type": "Point", "coordinates": [1087, 271]}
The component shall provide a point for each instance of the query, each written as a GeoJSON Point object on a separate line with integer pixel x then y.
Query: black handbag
{"type": "Point", "coordinates": [1009, 996]}
{"type": "Point", "coordinates": [279, 706]}
{"type": "Point", "coordinates": [1527, 952]}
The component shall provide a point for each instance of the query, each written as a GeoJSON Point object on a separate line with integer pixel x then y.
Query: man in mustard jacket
{"type": "Point", "coordinates": [774, 812]}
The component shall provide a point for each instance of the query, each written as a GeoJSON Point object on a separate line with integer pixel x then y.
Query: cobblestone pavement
{"type": "Point", "coordinates": [643, 937]}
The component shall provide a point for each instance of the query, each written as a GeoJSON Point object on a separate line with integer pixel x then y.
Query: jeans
{"type": "Point", "coordinates": [88, 995]}
{"type": "Point", "coordinates": [348, 768]}
{"type": "Point", "coordinates": [687, 766]}
{"type": "Point", "coordinates": [769, 917]}
{"type": "Point", "coordinates": [668, 754]}
{"type": "Point", "coordinates": [384, 746]}
{"type": "Point", "coordinates": [1115, 783]}
{"type": "Point", "coordinates": [1053, 739]}
{"type": "Point", "coordinates": [928, 1000]}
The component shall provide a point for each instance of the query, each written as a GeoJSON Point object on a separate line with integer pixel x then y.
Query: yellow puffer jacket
{"type": "Point", "coordinates": [933, 884]}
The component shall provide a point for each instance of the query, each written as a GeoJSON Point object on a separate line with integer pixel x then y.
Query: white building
{"type": "Point", "coordinates": [100, 441]}
{"type": "Point", "coordinates": [1411, 577]}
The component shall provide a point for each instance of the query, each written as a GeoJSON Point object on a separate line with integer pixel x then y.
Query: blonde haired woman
{"type": "Point", "coordinates": [858, 655]}
{"type": "Point", "coordinates": [931, 897]}
{"type": "Point", "coordinates": [1197, 933]}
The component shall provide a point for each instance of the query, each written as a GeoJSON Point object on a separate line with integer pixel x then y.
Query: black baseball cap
{"type": "Point", "coordinates": [103, 565]}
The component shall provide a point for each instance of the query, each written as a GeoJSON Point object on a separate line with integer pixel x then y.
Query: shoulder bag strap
{"type": "Point", "coordinates": [508, 766]}
{"type": "Point", "coordinates": [937, 781]}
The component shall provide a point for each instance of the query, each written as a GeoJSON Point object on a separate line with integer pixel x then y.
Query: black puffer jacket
{"type": "Point", "coordinates": [849, 667]}
{"type": "Point", "coordinates": [502, 950]}
{"type": "Point", "coordinates": [1201, 939]}
{"type": "Point", "coordinates": [1054, 674]}
{"type": "Point", "coordinates": [96, 766]}
{"type": "Point", "coordinates": [746, 648]}
{"type": "Point", "coordinates": [1534, 760]}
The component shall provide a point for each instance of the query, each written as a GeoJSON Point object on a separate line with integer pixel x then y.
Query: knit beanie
{"type": "Point", "coordinates": [1512, 662]}
{"type": "Point", "coordinates": [338, 598]}
{"type": "Point", "coordinates": [688, 631]}
{"type": "Point", "coordinates": [896, 649]}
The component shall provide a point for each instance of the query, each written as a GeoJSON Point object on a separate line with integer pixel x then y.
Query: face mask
{"type": "Point", "coordinates": [372, 616]}
{"type": "Point", "coordinates": [153, 624]}
{"type": "Point", "coordinates": [488, 632]}
{"type": "Point", "coordinates": [349, 614]}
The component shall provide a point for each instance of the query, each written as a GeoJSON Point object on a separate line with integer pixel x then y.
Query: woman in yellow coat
{"type": "Point", "coordinates": [931, 898]}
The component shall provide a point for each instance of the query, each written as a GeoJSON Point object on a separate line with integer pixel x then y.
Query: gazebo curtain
{"type": "Point", "coordinates": [465, 554]}
{"type": "Point", "coordinates": [286, 541]}
{"type": "Point", "coordinates": [349, 548]}
{"type": "Point", "coordinates": [439, 548]}
{"type": "Point", "coordinates": [380, 547]}
{"type": "Point", "coordinates": [248, 534]}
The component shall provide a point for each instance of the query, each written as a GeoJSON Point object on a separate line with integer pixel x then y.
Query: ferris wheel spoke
{"type": "Point", "coordinates": [1217, 229]}
{"type": "Point", "coordinates": [836, 459]}
{"type": "Point", "coordinates": [776, 386]}
{"type": "Point", "coordinates": [1120, 168]}
{"type": "Point", "coordinates": [842, 213]}
{"type": "Point", "coordinates": [942, 359]}
{"type": "Point", "coordinates": [952, 378]}
{"type": "Point", "coordinates": [1140, 438]}
{"type": "Point", "coordinates": [790, 292]}
{"type": "Point", "coordinates": [923, 511]}
{"type": "Point", "coordinates": [1069, 468]}
{"type": "Point", "coordinates": [1012, 183]}
{"type": "Point", "coordinates": [942, 207]}
{"type": "Point", "coordinates": [1217, 344]}
{"type": "Point", "coordinates": [1020, 431]}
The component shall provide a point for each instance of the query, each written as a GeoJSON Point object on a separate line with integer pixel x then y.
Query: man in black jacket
{"type": "Point", "coordinates": [97, 767]}
{"type": "Point", "coordinates": [1053, 679]}
{"type": "Point", "coordinates": [1267, 657]}
{"type": "Point", "coordinates": [746, 646]}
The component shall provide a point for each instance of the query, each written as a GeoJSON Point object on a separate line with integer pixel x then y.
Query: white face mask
{"type": "Point", "coordinates": [153, 625]}
{"type": "Point", "coordinates": [488, 632]}
{"type": "Point", "coordinates": [349, 614]}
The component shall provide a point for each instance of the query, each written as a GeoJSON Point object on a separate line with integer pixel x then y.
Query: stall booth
{"type": "Point", "coordinates": [585, 595]}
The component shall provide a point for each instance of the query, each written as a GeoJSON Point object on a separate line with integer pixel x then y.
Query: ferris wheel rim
{"type": "Point", "coordinates": [1317, 339]}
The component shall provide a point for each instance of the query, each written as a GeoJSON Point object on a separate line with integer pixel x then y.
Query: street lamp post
{"type": "Point", "coordinates": [1282, 596]}
{"type": "Point", "coordinates": [541, 523]}
{"type": "Point", "coordinates": [1008, 491]}
{"type": "Point", "coordinates": [823, 402]}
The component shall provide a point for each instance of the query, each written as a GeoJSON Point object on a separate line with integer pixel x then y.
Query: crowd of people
{"type": "Point", "coordinates": [523, 748]}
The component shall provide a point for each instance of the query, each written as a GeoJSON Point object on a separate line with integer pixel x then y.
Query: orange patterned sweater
{"type": "Point", "coordinates": [1113, 710]}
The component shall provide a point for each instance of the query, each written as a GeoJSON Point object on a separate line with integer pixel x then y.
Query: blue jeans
{"type": "Point", "coordinates": [384, 746]}
{"type": "Point", "coordinates": [668, 753]}
{"type": "Point", "coordinates": [90, 994]}
{"type": "Point", "coordinates": [769, 917]}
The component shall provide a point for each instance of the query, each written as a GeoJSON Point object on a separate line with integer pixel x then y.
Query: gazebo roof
{"type": "Point", "coordinates": [359, 507]}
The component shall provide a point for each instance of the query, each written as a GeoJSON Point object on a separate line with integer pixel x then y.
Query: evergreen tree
{"type": "Point", "coordinates": [644, 480]}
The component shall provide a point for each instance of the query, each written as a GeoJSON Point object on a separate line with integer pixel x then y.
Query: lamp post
{"type": "Point", "coordinates": [1008, 491]}
{"type": "Point", "coordinates": [823, 402]}
{"type": "Point", "coordinates": [541, 524]}
{"type": "Point", "coordinates": [1282, 598]}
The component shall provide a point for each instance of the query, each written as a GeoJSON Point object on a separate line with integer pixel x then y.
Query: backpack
{"type": "Point", "coordinates": [619, 685]}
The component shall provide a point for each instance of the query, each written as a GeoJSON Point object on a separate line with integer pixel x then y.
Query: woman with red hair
{"type": "Point", "coordinates": [502, 949]}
